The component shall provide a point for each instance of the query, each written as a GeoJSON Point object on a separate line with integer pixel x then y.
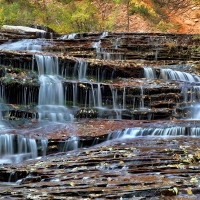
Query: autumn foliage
{"type": "Point", "coordinates": [67, 16]}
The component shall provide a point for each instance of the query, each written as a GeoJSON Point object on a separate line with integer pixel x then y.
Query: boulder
{"type": "Point", "coordinates": [21, 29]}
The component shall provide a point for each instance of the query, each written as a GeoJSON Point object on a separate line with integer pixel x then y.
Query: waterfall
{"type": "Point", "coordinates": [196, 94]}
{"type": "Point", "coordinates": [191, 101]}
{"type": "Point", "coordinates": [3, 107]}
{"type": "Point", "coordinates": [92, 98]}
{"type": "Point", "coordinates": [164, 132]}
{"type": "Point", "coordinates": [74, 93]}
{"type": "Point", "coordinates": [6, 144]}
{"type": "Point", "coordinates": [142, 97]}
{"type": "Point", "coordinates": [124, 98]}
{"type": "Point", "coordinates": [42, 146]}
{"type": "Point", "coordinates": [99, 97]}
{"type": "Point", "coordinates": [27, 145]}
{"type": "Point", "coordinates": [191, 94]}
{"type": "Point", "coordinates": [51, 90]}
{"type": "Point", "coordinates": [69, 36]}
{"type": "Point", "coordinates": [99, 50]}
{"type": "Point", "coordinates": [71, 144]}
{"type": "Point", "coordinates": [149, 72]}
{"type": "Point", "coordinates": [113, 74]}
{"type": "Point", "coordinates": [195, 109]}
{"type": "Point", "coordinates": [114, 98]}
{"type": "Point", "coordinates": [51, 93]}
{"type": "Point", "coordinates": [106, 55]}
{"type": "Point", "coordinates": [117, 42]}
{"type": "Point", "coordinates": [25, 44]}
{"type": "Point", "coordinates": [190, 106]}
{"type": "Point", "coordinates": [16, 148]}
{"type": "Point", "coordinates": [115, 103]}
{"type": "Point", "coordinates": [80, 70]}
{"type": "Point", "coordinates": [169, 74]}
{"type": "Point", "coordinates": [95, 96]}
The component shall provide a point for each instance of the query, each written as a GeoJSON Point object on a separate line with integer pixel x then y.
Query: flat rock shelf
{"type": "Point", "coordinates": [151, 168]}
{"type": "Point", "coordinates": [99, 115]}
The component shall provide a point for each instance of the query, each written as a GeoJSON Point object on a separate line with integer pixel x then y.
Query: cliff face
{"type": "Point", "coordinates": [182, 20]}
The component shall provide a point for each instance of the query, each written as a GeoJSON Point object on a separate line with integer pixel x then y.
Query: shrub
{"type": "Point", "coordinates": [141, 10]}
{"type": "Point", "coordinates": [163, 26]}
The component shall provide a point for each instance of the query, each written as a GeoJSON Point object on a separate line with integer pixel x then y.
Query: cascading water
{"type": "Point", "coordinates": [113, 54]}
{"type": "Point", "coordinates": [169, 74]}
{"type": "Point", "coordinates": [69, 36]}
{"type": "Point", "coordinates": [74, 85]}
{"type": "Point", "coordinates": [28, 145]}
{"type": "Point", "coordinates": [51, 94]}
{"type": "Point", "coordinates": [99, 97]}
{"type": "Point", "coordinates": [99, 50]}
{"type": "Point", "coordinates": [71, 144]}
{"type": "Point", "coordinates": [129, 133]}
{"type": "Point", "coordinates": [51, 104]}
{"type": "Point", "coordinates": [124, 98]}
{"type": "Point", "coordinates": [142, 98]}
{"type": "Point", "coordinates": [190, 92]}
{"type": "Point", "coordinates": [116, 107]}
{"type": "Point", "coordinates": [16, 148]}
{"type": "Point", "coordinates": [80, 70]}
{"type": "Point", "coordinates": [149, 72]}
{"type": "Point", "coordinates": [192, 95]}
{"type": "Point", "coordinates": [31, 45]}
{"type": "Point", "coordinates": [3, 108]}
{"type": "Point", "coordinates": [117, 42]}
{"type": "Point", "coordinates": [95, 96]}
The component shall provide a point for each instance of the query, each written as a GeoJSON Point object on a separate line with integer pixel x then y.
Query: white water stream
{"type": "Point", "coordinates": [169, 74]}
{"type": "Point", "coordinates": [130, 133]}
{"type": "Point", "coordinates": [51, 94]}
{"type": "Point", "coordinates": [16, 148]}
{"type": "Point", "coordinates": [51, 105]}
{"type": "Point", "coordinates": [32, 45]}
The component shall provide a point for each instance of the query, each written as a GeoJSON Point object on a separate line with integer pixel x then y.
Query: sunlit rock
{"type": "Point", "coordinates": [21, 29]}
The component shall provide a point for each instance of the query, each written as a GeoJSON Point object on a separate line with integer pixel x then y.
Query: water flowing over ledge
{"type": "Point", "coordinates": [122, 106]}
{"type": "Point", "coordinates": [16, 148]}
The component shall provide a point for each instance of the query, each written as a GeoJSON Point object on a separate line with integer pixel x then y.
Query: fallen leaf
{"type": "Point", "coordinates": [72, 184]}
{"type": "Point", "coordinates": [189, 191]}
{"type": "Point", "coordinates": [194, 180]}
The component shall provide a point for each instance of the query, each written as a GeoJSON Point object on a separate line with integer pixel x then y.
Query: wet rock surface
{"type": "Point", "coordinates": [141, 168]}
{"type": "Point", "coordinates": [123, 70]}
{"type": "Point", "coordinates": [115, 85]}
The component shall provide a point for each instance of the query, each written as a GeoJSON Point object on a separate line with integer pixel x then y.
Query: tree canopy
{"type": "Point", "coordinates": [67, 16]}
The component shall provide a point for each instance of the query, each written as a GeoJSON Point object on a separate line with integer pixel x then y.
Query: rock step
{"type": "Point", "coordinates": [123, 46]}
{"type": "Point", "coordinates": [142, 171]}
